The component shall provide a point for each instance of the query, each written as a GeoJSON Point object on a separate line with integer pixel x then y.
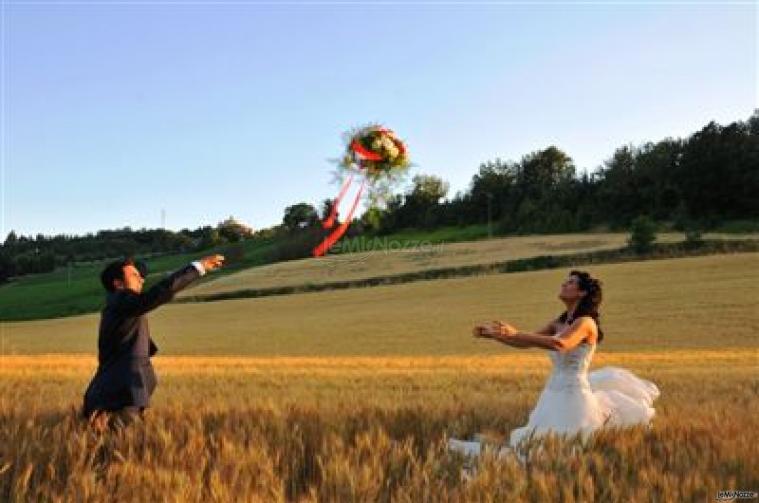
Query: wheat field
{"type": "Point", "coordinates": [371, 429]}
{"type": "Point", "coordinates": [386, 257]}
{"type": "Point", "coordinates": [701, 302]}
{"type": "Point", "coordinates": [350, 395]}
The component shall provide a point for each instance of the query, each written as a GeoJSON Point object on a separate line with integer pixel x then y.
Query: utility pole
{"type": "Point", "coordinates": [163, 218]}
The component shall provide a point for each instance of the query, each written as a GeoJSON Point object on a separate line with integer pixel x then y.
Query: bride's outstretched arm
{"type": "Point", "coordinates": [495, 331]}
{"type": "Point", "coordinates": [532, 340]}
{"type": "Point", "coordinates": [563, 342]}
{"type": "Point", "coordinates": [511, 336]}
{"type": "Point", "coordinates": [510, 341]}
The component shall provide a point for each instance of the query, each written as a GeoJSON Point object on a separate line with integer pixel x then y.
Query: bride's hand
{"type": "Point", "coordinates": [484, 330]}
{"type": "Point", "coordinates": [494, 329]}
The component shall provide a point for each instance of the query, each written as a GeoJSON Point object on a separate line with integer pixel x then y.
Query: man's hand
{"type": "Point", "coordinates": [505, 329]}
{"type": "Point", "coordinates": [212, 262]}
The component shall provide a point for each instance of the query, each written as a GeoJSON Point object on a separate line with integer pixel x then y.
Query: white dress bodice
{"type": "Point", "coordinates": [570, 369]}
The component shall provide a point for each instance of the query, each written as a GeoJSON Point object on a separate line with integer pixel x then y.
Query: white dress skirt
{"type": "Point", "coordinates": [577, 401]}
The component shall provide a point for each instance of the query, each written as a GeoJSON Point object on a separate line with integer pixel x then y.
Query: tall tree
{"type": "Point", "coordinates": [11, 239]}
{"type": "Point", "coordinates": [299, 216]}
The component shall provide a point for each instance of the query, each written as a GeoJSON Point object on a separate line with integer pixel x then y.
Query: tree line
{"type": "Point", "coordinates": [700, 181]}
{"type": "Point", "coordinates": [21, 255]}
{"type": "Point", "coordinates": [697, 182]}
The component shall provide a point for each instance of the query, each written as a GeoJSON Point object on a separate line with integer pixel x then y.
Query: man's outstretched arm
{"type": "Point", "coordinates": [135, 304]}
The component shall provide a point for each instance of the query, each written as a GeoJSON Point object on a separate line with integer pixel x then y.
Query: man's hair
{"type": "Point", "coordinates": [115, 270]}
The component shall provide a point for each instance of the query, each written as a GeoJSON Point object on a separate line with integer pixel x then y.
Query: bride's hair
{"type": "Point", "coordinates": [589, 305]}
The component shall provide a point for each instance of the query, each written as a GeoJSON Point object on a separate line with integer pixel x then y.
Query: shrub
{"type": "Point", "coordinates": [642, 234]}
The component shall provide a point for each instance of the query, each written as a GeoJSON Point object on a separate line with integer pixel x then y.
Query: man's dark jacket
{"type": "Point", "coordinates": [125, 376]}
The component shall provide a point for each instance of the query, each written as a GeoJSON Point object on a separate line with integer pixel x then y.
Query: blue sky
{"type": "Point", "coordinates": [113, 112]}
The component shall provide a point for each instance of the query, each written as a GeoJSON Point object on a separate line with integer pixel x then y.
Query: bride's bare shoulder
{"type": "Point", "coordinates": [591, 326]}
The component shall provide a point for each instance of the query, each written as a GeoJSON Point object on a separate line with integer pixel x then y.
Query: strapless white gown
{"type": "Point", "coordinates": [577, 401]}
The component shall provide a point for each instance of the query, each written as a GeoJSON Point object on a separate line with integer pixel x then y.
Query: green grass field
{"type": "Point", "coordinates": [67, 292]}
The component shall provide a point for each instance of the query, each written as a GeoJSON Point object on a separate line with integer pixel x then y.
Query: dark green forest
{"type": "Point", "coordinates": [704, 180]}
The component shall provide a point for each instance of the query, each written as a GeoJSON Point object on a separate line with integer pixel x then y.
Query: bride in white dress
{"type": "Point", "coordinates": [573, 400]}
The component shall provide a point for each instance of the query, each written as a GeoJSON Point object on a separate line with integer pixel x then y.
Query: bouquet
{"type": "Point", "coordinates": [380, 158]}
{"type": "Point", "coordinates": [376, 151]}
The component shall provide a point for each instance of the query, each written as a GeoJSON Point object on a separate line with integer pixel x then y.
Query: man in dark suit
{"type": "Point", "coordinates": [121, 388]}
